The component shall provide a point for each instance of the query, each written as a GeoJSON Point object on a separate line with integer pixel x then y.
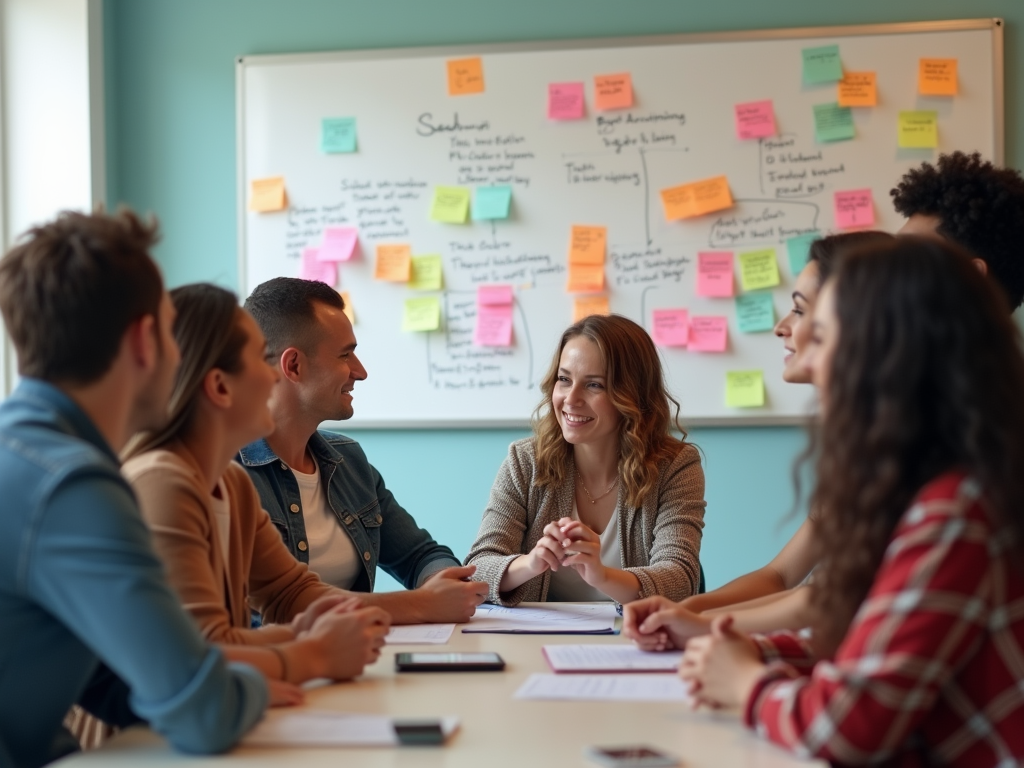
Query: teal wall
{"type": "Point", "coordinates": [171, 150]}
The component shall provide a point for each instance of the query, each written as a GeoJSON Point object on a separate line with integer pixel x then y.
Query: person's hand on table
{"type": "Point", "coordinates": [342, 603]}
{"type": "Point", "coordinates": [449, 596]}
{"type": "Point", "coordinates": [347, 640]}
{"type": "Point", "coordinates": [284, 694]}
{"type": "Point", "coordinates": [723, 667]}
{"type": "Point", "coordinates": [658, 624]}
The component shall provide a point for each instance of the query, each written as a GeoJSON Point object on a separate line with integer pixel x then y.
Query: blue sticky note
{"type": "Point", "coordinates": [833, 123]}
{"type": "Point", "coordinates": [491, 203]}
{"type": "Point", "coordinates": [798, 249]}
{"type": "Point", "coordinates": [338, 134]}
{"type": "Point", "coordinates": [822, 65]}
{"type": "Point", "coordinates": [755, 312]}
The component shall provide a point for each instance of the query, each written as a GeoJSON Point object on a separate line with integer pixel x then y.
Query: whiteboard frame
{"type": "Point", "coordinates": [994, 24]}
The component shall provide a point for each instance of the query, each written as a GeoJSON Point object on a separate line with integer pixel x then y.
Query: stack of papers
{"type": "Point", "coordinates": [642, 687]}
{"type": "Point", "coordinates": [323, 728]}
{"type": "Point", "coordinates": [556, 619]}
{"type": "Point", "coordinates": [420, 634]}
{"type": "Point", "coordinates": [609, 658]}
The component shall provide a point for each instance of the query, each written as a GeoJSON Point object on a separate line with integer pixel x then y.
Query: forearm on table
{"type": "Point", "coordinates": [405, 607]}
{"type": "Point", "coordinates": [294, 662]}
{"type": "Point", "coordinates": [790, 611]}
{"type": "Point", "coordinates": [751, 586]}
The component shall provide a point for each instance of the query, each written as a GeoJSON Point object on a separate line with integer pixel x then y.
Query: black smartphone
{"type": "Point", "coordinates": [448, 662]}
{"type": "Point", "coordinates": [416, 733]}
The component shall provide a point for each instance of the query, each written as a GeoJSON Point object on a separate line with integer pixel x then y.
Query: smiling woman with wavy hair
{"type": "Point", "coordinates": [555, 528]}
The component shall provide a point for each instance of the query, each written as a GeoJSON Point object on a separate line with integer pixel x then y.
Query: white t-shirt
{"type": "Point", "coordinates": [567, 586]}
{"type": "Point", "coordinates": [221, 505]}
{"type": "Point", "coordinates": [332, 555]}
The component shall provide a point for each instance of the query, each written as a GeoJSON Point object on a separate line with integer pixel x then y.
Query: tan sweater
{"type": "Point", "coordinates": [660, 542]}
{"type": "Point", "coordinates": [263, 574]}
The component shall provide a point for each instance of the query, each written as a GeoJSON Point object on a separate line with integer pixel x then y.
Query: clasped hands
{"type": "Point", "coordinates": [569, 542]}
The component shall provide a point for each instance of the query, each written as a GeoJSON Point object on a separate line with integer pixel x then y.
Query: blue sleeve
{"type": "Point", "coordinates": [93, 568]}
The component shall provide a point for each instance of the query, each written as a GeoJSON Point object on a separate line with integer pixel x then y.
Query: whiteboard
{"type": "Point", "coordinates": [606, 169]}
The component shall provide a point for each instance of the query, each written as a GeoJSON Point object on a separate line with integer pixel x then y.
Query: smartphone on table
{"type": "Point", "coordinates": [633, 756]}
{"type": "Point", "coordinates": [448, 662]}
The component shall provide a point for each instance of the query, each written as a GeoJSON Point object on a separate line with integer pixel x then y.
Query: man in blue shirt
{"type": "Point", "coordinates": [329, 503]}
{"type": "Point", "coordinates": [87, 614]}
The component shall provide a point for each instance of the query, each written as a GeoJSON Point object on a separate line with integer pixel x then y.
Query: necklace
{"type": "Point", "coordinates": [594, 500]}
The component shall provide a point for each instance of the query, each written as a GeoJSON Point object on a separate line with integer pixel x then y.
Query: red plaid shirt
{"type": "Point", "coordinates": [932, 668]}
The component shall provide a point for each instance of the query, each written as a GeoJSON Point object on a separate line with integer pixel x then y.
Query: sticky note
{"type": "Point", "coordinates": [339, 243]}
{"type": "Point", "coordinates": [919, 129]}
{"type": "Point", "coordinates": [798, 250]}
{"type": "Point", "coordinates": [714, 273]}
{"type": "Point", "coordinates": [565, 101]}
{"type": "Point", "coordinates": [833, 123]}
{"type": "Point", "coordinates": [759, 269]}
{"type": "Point", "coordinates": [491, 203]}
{"type": "Point", "coordinates": [425, 273]}
{"type": "Point", "coordinates": [696, 198]}
{"type": "Point", "coordinates": [671, 327]}
{"type": "Point", "coordinates": [822, 64]}
{"type": "Point", "coordinates": [585, 306]}
{"type": "Point", "coordinates": [755, 312]}
{"type": "Point", "coordinates": [266, 195]}
{"type": "Point", "coordinates": [709, 334]}
{"type": "Point", "coordinates": [744, 389]}
{"type": "Point", "coordinates": [450, 205]}
{"type": "Point", "coordinates": [394, 263]}
{"type": "Point", "coordinates": [312, 268]}
{"type": "Point", "coordinates": [854, 208]}
{"type": "Point", "coordinates": [493, 326]}
{"type": "Point", "coordinates": [755, 119]}
{"type": "Point", "coordinates": [613, 91]}
{"type": "Point", "coordinates": [858, 89]}
{"type": "Point", "coordinates": [494, 295]}
{"type": "Point", "coordinates": [349, 310]}
{"type": "Point", "coordinates": [422, 314]}
{"type": "Point", "coordinates": [585, 278]}
{"type": "Point", "coordinates": [936, 77]}
{"type": "Point", "coordinates": [465, 76]}
{"type": "Point", "coordinates": [587, 245]}
{"type": "Point", "coordinates": [338, 134]}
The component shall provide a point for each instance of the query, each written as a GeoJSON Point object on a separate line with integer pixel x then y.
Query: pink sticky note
{"type": "Point", "coordinates": [493, 325]}
{"type": "Point", "coordinates": [314, 269]}
{"type": "Point", "coordinates": [494, 295]}
{"type": "Point", "coordinates": [565, 101]}
{"type": "Point", "coordinates": [714, 274]}
{"type": "Point", "coordinates": [709, 334]}
{"type": "Point", "coordinates": [755, 120]}
{"type": "Point", "coordinates": [339, 243]}
{"type": "Point", "coordinates": [671, 327]}
{"type": "Point", "coordinates": [854, 208]}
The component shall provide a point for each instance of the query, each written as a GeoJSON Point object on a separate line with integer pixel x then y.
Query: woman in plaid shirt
{"type": "Point", "coordinates": [917, 655]}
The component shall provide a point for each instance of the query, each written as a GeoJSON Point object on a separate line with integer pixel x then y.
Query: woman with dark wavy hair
{"type": "Point", "coordinates": [918, 638]}
{"type": "Point", "coordinates": [603, 502]}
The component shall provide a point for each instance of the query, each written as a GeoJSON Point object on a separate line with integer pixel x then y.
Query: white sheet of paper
{"type": "Point", "coordinates": [638, 687]}
{"type": "Point", "coordinates": [556, 618]}
{"type": "Point", "coordinates": [323, 728]}
{"type": "Point", "coordinates": [420, 634]}
{"type": "Point", "coordinates": [609, 658]}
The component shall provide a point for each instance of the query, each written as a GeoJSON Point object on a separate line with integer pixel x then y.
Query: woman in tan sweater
{"type": "Point", "coordinates": [603, 502]}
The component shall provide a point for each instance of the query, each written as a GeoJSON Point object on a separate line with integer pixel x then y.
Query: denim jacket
{"type": "Point", "coordinates": [381, 530]}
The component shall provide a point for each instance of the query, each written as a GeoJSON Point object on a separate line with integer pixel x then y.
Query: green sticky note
{"type": "Point", "coordinates": [492, 203]}
{"type": "Point", "coordinates": [798, 249]}
{"type": "Point", "coordinates": [338, 134]}
{"type": "Point", "coordinates": [833, 123]}
{"type": "Point", "coordinates": [422, 314]}
{"type": "Point", "coordinates": [451, 205]}
{"type": "Point", "coordinates": [744, 389]}
{"type": "Point", "coordinates": [755, 312]}
{"type": "Point", "coordinates": [759, 269]}
{"type": "Point", "coordinates": [919, 129]}
{"type": "Point", "coordinates": [425, 273]}
{"type": "Point", "coordinates": [822, 65]}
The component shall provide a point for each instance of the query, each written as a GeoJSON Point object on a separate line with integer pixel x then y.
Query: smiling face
{"type": "Point", "coordinates": [334, 368]}
{"type": "Point", "coordinates": [794, 328]}
{"type": "Point", "coordinates": [252, 384]}
{"type": "Point", "coordinates": [580, 399]}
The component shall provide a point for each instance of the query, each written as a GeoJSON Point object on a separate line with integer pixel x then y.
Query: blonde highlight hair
{"type": "Point", "coordinates": [636, 387]}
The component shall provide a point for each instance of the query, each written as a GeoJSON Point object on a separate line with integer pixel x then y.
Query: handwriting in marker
{"type": "Point", "coordinates": [937, 77]}
{"type": "Point", "coordinates": [565, 101]}
{"type": "Point", "coordinates": [613, 91]}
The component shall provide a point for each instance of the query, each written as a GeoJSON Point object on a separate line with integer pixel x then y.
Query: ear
{"type": "Point", "coordinates": [981, 266]}
{"type": "Point", "coordinates": [141, 342]}
{"type": "Point", "coordinates": [216, 388]}
{"type": "Point", "coordinates": [292, 364]}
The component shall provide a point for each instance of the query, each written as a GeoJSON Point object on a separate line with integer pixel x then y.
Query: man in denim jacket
{"type": "Point", "coordinates": [329, 503]}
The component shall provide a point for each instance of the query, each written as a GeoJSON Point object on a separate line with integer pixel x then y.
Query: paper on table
{"type": "Point", "coordinates": [565, 101]}
{"type": "Point", "coordinates": [419, 634]}
{"type": "Point", "coordinates": [613, 91]}
{"type": "Point", "coordinates": [854, 208]}
{"type": "Point", "coordinates": [936, 77]}
{"type": "Point", "coordinates": [696, 198]}
{"type": "Point", "coordinates": [798, 250]}
{"type": "Point", "coordinates": [759, 269]}
{"type": "Point", "coordinates": [587, 245]}
{"type": "Point", "coordinates": [313, 268]}
{"type": "Point", "coordinates": [555, 619]}
{"type": "Point", "coordinates": [714, 273]}
{"type": "Point", "coordinates": [755, 119]}
{"type": "Point", "coordinates": [394, 263]}
{"type": "Point", "coordinates": [465, 76]}
{"type": "Point", "coordinates": [858, 89]}
{"type": "Point", "coordinates": [339, 243]}
{"type": "Point", "coordinates": [585, 278]}
{"type": "Point", "coordinates": [451, 205]}
{"type": "Point", "coordinates": [744, 389]}
{"type": "Point", "coordinates": [609, 658]}
{"type": "Point", "coordinates": [671, 327]}
{"type": "Point", "coordinates": [709, 334]}
{"type": "Point", "coordinates": [919, 129]}
{"type": "Point", "coordinates": [639, 687]}
{"type": "Point", "coordinates": [585, 306]}
{"type": "Point", "coordinates": [338, 134]}
{"type": "Point", "coordinates": [755, 312]}
{"type": "Point", "coordinates": [423, 314]}
{"type": "Point", "coordinates": [425, 273]}
{"type": "Point", "coordinates": [492, 203]}
{"type": "Point", "coordinates": [349, 310]}
{"type": "Point", "coordinates": [833, 123]}
{"type": "Point", "coordinates": [822, 64]}
{"type": "Point", "coordinates": [266, 195]}
{"type": "Point", "coordinates": [324, 728]}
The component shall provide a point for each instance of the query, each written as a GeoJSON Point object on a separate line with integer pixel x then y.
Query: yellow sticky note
{"type": "Point", "coordinates": [588, 245]}
{"type": "Point", "coordinates": [696, 198]}
{"type": "Point", "coordinates": [423, 314]}
{"type": "Point", "coordinates": [267, 195]}
{"type": "Point", "coordinates": [759, 269]}
{"type": "Point", "coordinates": [744, 389]}
{"type": "Point", "coordinates": [858, 89]}
{"type": "Point", "coordinates": [349, 311]}
{"type": "Point", "coordinates": [919, 129]}
{"type": "Point", "coordinates": [465, 76]}
{"type": "Point", "coordinates": [425, 273]}
{"type": "Point", "coordinates": [585, 306]}
{"type": "Point", "coordinates": [394, 263]}
{"type": "Point", "coordinates": [451, 205]}
{"type": "Point", "coordinates": [937, 77]}
{"type": "Point", "coordinates": [585, 278]}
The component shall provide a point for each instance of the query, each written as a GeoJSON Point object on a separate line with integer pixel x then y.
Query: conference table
{"type": "Point", "coordinates": [495, 730]}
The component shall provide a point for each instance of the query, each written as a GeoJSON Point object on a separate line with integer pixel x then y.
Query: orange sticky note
{"type": "Point", "coordinates": [936, 77]}
{"type": "Point", "coordinates": [585, 306]}
{"type": "Point", "coordinates": [587, 245]}
{"type": "Point", "coordinates": [696, 198]}
{"type": "Point", "coordinates": [858, 89]}
{"type": "Point", "coordinates": [267, 195]}
{"type": "Point", "coordinates": [613, 91]}
{"type": "Point", "coordinates": [585, 278]}
{"type": "Point", "coordinates": [465, 76]}
{"type": "Point", "coordinates": [394, 263]}
{"type": "Point", "coordinates": [349, 311]}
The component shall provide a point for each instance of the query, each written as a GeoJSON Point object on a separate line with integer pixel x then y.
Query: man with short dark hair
{"type": "Point", "coordinates": [329, 503]}
{"type": "Point", "coordinates": [87, 614]}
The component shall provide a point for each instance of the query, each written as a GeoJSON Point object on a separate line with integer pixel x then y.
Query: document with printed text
{"type": "Point", "coordinates": [639, 687]}
{"type": "Point", "coordinates": [420, 634]}
{"type": "Point", "coordinates": [553, 619]}
{"type": "Point", "coordinates": [609, 658]}
{"type": "Point", "coordinates": [323, 728]}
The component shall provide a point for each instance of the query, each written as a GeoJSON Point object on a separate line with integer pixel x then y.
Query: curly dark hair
{"type": "Point", "coordinates": [979, 206]}
{"type": "Point", "coordinates": [926, 377]}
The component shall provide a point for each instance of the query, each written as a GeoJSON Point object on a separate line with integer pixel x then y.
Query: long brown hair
{"type": "Point", "coordinates": [926, 377]}
{"type": "Point", "coordinates": [636, 387]}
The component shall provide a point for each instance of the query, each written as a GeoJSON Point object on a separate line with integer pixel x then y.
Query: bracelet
{"type": "Point", "coordinates": [284, 661]}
